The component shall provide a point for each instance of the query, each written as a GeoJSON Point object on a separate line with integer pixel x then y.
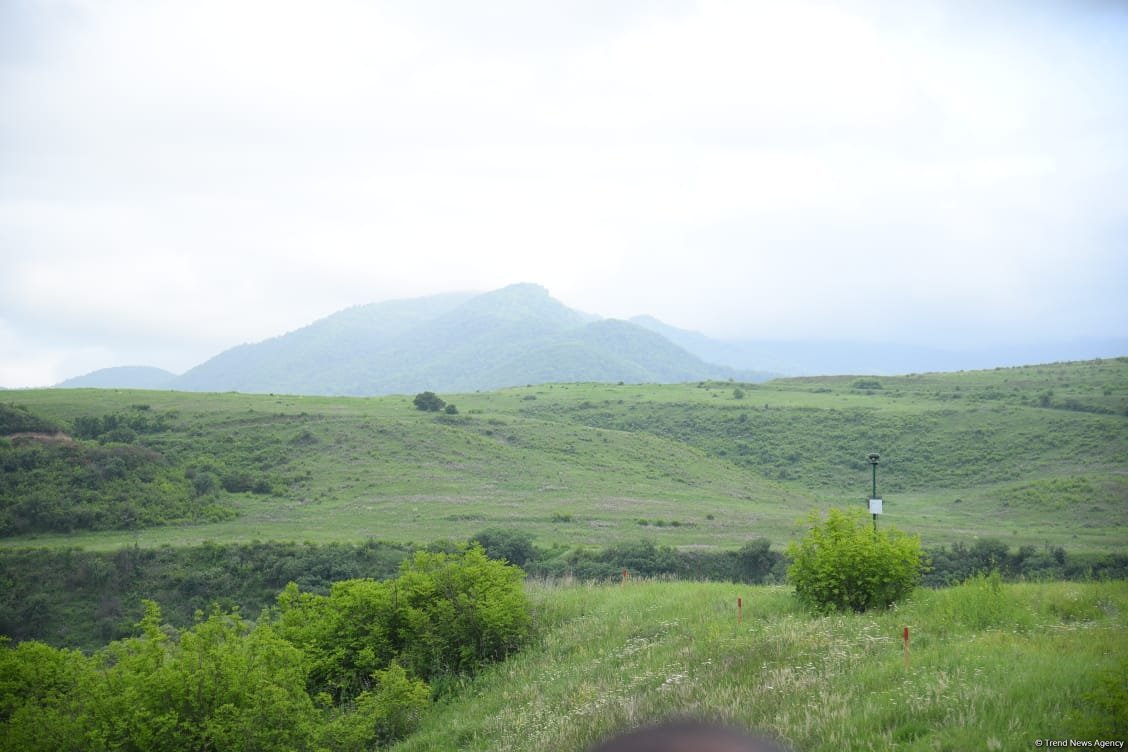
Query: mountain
{"type": "Point", "coordinates": [460, 342]}
{"type": "Point", "coordinates": [122, 377]}
{"type": "Point", "coordinates": [732, 354]}
{"type": "Point", "coordinates": [812, 358]}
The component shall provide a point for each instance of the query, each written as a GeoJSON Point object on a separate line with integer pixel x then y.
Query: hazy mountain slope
{"type": "Point", "coordinates": [516, 335]}
{"type": "Point", "coordinates": [732, 354]}
{"type": "Point", "coordinates": [315, 359]}
{"type": "Point", "coordinates": [122, 377]}
{"type": "Point", "coordinates": [812, 357]}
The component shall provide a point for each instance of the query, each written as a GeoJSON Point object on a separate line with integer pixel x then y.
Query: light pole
{"type": "Point", "coordinates": [875, 502]}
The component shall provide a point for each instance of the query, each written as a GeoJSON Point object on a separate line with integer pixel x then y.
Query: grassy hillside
{"type": "Point", "coordinates": [1033, 455]}
{"type": "Point", "coordinates": [992, 667]}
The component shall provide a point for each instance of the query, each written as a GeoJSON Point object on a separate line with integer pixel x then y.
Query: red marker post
{"type": "Point", "coordinates": [739, 609]}
{"type": "Point", "coordinates": [906, 639]}
{"type": "Point", "coordinates": [625, 575]}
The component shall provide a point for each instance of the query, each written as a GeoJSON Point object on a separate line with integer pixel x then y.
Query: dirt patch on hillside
{"type": "Point", "coordinates": [42, 438]}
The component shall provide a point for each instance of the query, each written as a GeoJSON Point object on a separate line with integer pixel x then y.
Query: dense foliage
{"type": "Point", "coordinates": [843, 564]}
{"type": "Point", "coordinates": [63, 485]}
{"type": "Point", "coordinates": [343, 672]}
{"type": "Point", "coordinates": [127, 469]}
{"type": "Point", "coordinates": [18, 419]}
{"type": "Point", "coordinates": [84, 599]}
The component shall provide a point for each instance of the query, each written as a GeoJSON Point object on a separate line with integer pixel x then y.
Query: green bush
{"type": "Point", "coordinates": [382, 716]}
{"type": "Point", "coordinates": [843, 564]}
{"type": "Point", "coordinates": [429, 402]}
{"type": "Point", "coordinates": [507, 545]}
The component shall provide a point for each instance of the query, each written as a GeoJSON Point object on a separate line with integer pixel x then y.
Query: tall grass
{"type": "Point", "coordinates": [993, 666]}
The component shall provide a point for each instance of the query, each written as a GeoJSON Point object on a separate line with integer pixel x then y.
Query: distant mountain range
{"type": "Point", "coordinates": [452, 343]}
{"type": "Point", "coordinates": [123, 377]}
{"type": "Point", "coordinates": [815, 358]}
{"type": "Point", "coordinates": [520, 335]}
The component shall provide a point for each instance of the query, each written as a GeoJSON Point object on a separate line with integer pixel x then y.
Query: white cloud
{"type": "Point", "coordinates": [180, 177]}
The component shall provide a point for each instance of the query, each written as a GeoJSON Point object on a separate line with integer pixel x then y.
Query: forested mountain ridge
{"type": "Point", "coordinates": [508, 337]}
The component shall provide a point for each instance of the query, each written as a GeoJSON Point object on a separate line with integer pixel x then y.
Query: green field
{"type": "Point", "coordinates": [1033, 456]}
{"type": "Point", "coordinates": [992, 667]}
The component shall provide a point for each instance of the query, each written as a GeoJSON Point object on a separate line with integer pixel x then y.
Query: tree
{"type": "Point", "coordinates": [755, 560]}
{"type": "Point", "coordinates": [429, 402]}
{"type": "Point", "coordinates": [842, 564]}
{"type": "Point", "coordinates": [508, 545]}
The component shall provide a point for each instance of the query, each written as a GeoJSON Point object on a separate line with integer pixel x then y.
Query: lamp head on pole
{"type": "Point", "coordinates": [873, 458]}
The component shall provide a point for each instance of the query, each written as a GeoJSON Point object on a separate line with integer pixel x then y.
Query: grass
{"type": "Point", "coordinates": [1033, 456]}
{"type": "Point", "coordinates": [993, 667]}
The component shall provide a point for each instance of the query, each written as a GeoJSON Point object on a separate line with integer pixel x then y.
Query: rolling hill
{"type": "Point", "coordinates": [1035, 455]}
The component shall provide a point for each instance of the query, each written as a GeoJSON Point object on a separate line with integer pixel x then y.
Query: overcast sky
{"type": "Point", "coordinates": [177, 177]}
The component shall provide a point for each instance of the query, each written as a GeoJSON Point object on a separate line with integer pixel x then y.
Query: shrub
{"type": "Point", "coordinates": [429, 402]}
{"type": "Point", "coordinates": [843, 564]}
{"type": "Point", "coordinates": [459, 612]}
{"type": "Point", "coordinates": [507, 545]}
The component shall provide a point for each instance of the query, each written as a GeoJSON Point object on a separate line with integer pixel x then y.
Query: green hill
{"type": "Point", "coordinates": [1033, 455]}
{"type": "Point", "coordinates": [516, 335]}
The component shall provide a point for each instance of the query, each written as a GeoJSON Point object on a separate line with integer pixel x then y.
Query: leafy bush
{"type": "Point", "coordinates": [445, 614]}
{"type": "Point", "coordinates": [223, 684]}
{"type": "Point", "coordinates": [843, 564]}
{"type": "Point", "coordinates": [429, 402]}
{"type": "Point", "coordinates": [17, 419]}
{"type": "Point", "coordinates": [344, 672]}
{"type": "Point", "coordinates": [382, 716]}
{"type": "Point", "coordinates": [508, 545]}
{"type": "Point", "coordinates": [460, 611]}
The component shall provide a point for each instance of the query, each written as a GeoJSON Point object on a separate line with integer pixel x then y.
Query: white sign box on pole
{"type": "Point", "coordinates": [875, 506]}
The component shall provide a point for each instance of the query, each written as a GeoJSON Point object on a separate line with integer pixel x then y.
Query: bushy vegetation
{"type": "Point", "coordinates": [841, 564]}
{"type": "Point", "coordinates": [61, 485]}
{"type": "Point", "coordinates": [345, 671]}
{"type": "Point", "coordinates": [18, 419]}
{"type": "Point", "coordinates": [754, 562]}
{"type": "Point", "coordinates": [117, 470]}
{"type": "Point", "coordinates": [85, 599]}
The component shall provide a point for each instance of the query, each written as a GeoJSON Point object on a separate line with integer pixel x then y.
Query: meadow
{"type": "Point", "coordinates": [1034, 456]}
{"type": "Point", "coordinates": [992, 666]}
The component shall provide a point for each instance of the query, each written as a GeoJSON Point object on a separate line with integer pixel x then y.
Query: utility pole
{"type": "Point", "coordinates": [874, 500]}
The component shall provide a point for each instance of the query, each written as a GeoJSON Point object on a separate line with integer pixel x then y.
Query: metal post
{"type": "Point", "coordinates": [874, 496]}
{"type": "Point", "coordinates": [873, 458]}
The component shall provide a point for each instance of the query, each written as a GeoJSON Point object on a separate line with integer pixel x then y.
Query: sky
{"type": "Point", "coordinates": [178, 177]}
